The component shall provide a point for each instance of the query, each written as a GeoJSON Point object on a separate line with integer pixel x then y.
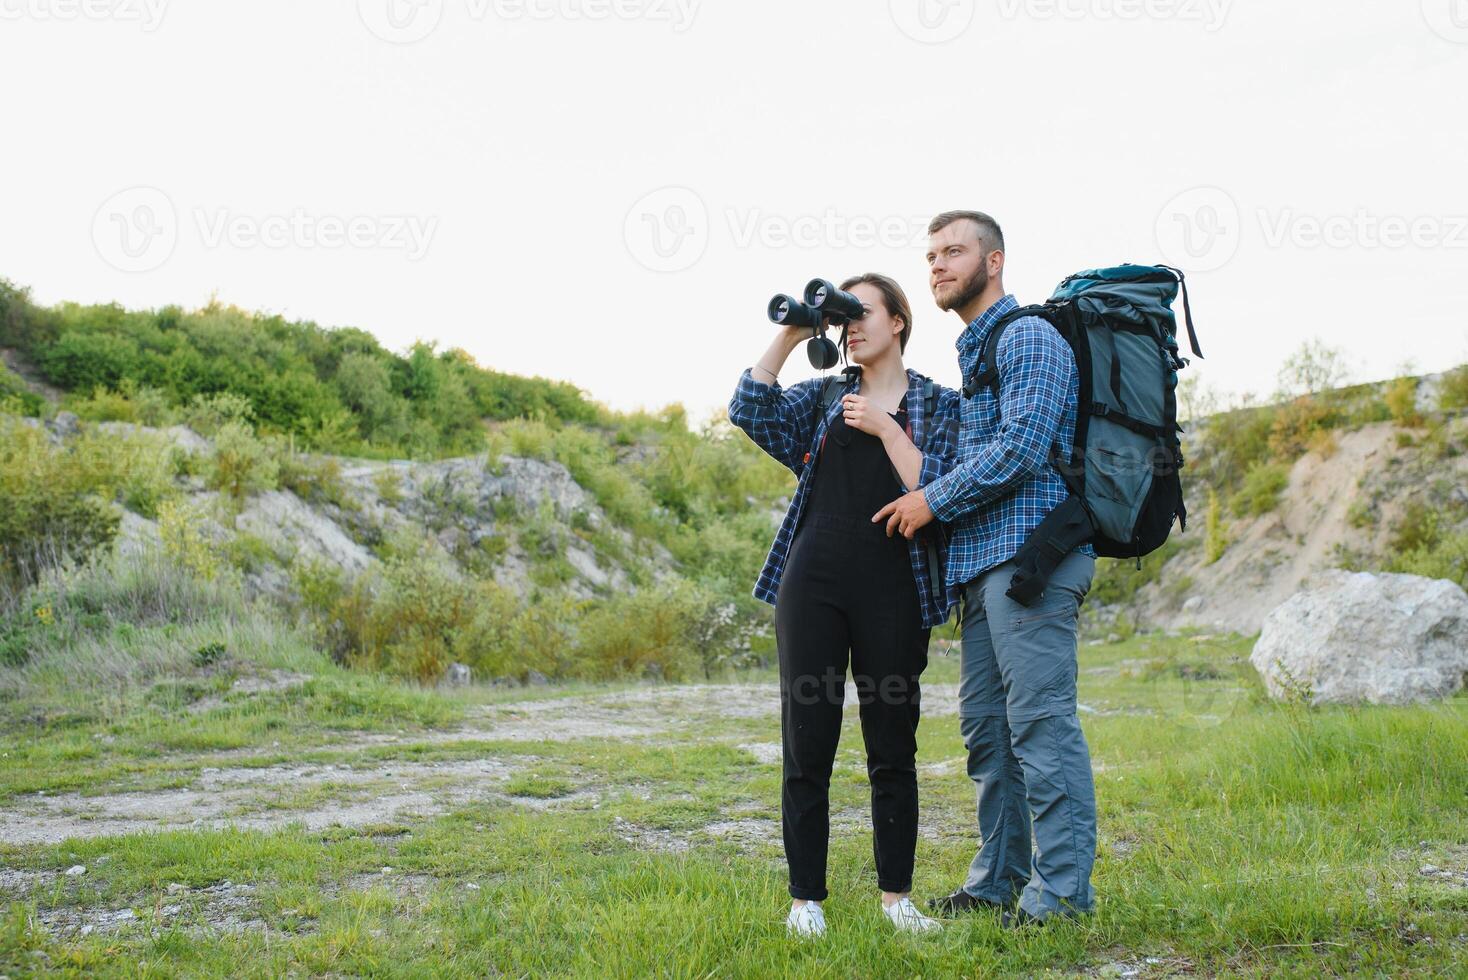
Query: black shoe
{"type": "Point", "coordinates": [952, 906]}
{"type": "Point", "coordinates": [1019, 919]}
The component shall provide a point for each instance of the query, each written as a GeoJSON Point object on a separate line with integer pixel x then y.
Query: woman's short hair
{"type": "Point", "coordinates": [892, 297]}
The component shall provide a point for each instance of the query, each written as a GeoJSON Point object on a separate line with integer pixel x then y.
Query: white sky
{"type": "Point", "coordinates": [503, 165]}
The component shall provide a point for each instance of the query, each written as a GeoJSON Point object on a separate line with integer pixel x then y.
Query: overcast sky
{"type": "Point", "coordinates": [608, 191]}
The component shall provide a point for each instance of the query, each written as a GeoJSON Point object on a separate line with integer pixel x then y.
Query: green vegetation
{"type": "Point", "coordinates": [335, 391]}
{"type": "Point", "coordinates": [1452, 396]}
{"type": "Point", "coordinates": [1237, 837]}
{"type": "Point", "coordinates": [1262, 485]}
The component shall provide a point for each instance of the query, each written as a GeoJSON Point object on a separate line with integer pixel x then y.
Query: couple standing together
{"type": "Point", "coordinates": [967, 478]}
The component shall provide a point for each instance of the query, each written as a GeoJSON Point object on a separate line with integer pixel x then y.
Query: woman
{"type": "Point", "coordinates": [842, 587]}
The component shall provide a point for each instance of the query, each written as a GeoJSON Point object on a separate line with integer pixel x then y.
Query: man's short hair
{"type": "Point", "coordinates": [989, 231]}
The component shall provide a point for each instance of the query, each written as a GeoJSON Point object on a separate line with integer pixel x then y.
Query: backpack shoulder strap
{"type": "Point", "coordinates": [831, 390]}
{"type": "Point", "coordinates": [988, 377]}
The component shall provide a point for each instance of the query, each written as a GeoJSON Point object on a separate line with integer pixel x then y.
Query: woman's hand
{"type": "Point", "coordinates": [860, 414]}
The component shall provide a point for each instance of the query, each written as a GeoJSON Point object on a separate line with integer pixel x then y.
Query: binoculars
{"type": "Point", "coordinates": [824, 306]}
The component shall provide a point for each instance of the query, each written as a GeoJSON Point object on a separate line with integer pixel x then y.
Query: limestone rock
{"type": "Point", "coordinates": [1353, 637]}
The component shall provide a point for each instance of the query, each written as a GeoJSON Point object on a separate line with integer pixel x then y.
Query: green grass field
{"type": "Point", "coordinates": [1238, 837]}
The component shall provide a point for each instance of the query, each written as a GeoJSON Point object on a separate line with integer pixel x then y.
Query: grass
{"type": "Point", "coordinates": [1237, 837]}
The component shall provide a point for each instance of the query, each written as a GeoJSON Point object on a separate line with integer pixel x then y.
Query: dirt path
{"type": "Point", "coordinates": [355, 795]}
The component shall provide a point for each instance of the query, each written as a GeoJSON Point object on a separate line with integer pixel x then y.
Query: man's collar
{"type": "Point", "coordinates": [979, 326]}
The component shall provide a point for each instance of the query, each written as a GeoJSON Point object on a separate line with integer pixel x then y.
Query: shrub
{"type": "Point", "coordinates": [1215, 540]}
{"type": "Point", "coordinates": [651, 632]}
{"type": "Point", "coordinates": [1401, 401]}
{"type": "Point", "coordinates": [180, 526]}
{"type": "Point", "coordinates": [1296, 425]}
{"type": "Point", "coordinates": [241, 463]}
{"type": "Point", "coordinates": [55, 503]}
{"type": "Point", "coordinates": [1452, 392]}
{"type": "Point", "coordinates": [1261, 489]}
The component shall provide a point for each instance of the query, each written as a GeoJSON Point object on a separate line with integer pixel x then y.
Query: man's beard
{"type": "Point", "coordinates": [970, 290]}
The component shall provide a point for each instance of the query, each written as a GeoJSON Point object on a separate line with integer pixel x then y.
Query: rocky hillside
{"type": "Point", "coordinates": [503, 517]}
{"type": "Point", "coordinates": [1363, 497]}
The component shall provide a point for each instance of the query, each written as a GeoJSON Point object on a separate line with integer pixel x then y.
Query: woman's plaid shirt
{"type": "Point", "coordinates": [784, 423]}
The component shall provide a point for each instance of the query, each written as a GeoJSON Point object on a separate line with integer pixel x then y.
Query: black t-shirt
{"type": "Point", "coordinates": [853, 476]}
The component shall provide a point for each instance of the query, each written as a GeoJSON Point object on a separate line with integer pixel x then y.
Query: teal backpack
{"type": "Point", "coordinates": [1123, 467]}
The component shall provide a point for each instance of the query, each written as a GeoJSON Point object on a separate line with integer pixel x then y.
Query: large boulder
{"type": "Point", "coordinates": [1380, 638]}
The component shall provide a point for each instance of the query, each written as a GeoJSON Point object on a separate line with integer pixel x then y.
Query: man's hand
{"type": "Point", "coordinates": [907, 514]}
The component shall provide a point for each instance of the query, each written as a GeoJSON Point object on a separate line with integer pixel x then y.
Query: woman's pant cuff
{"type": "Point", "coordinates": [808, 894]}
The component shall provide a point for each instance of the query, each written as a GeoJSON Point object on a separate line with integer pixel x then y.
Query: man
{"type": "Point", "coordinates": [1017, 693]}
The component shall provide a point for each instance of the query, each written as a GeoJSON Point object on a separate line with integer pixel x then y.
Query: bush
{"type": "Point", "coordinates": [1401, 401]}
{"type": "Point", "coordinates": [15, 397]}
{"type": "Point", "coordinates": [1297, 426]}
{"type": "Point", "coordinates": [1452, 393]}
{"type": "Point", "coordinates": [56, 503]}
{"type": "Point", "coordinates": [1444, 557]}
{"type": "Point", "coordinates": [653, 632]}
{"type": "Point", "coordinates": [241, 464]}
{"type": "Point", "coordinates": [1261, 489]}
{"type": "Point", "coordinates": [1216, 542]}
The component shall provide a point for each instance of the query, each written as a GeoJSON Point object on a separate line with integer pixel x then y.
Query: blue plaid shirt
{"type": "Point", "coordinates": [783, 423]}
{"type": "Point", "coordinates": [1005, 483]}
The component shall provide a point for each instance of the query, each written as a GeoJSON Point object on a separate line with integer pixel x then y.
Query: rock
{"type": "Point", "coordinates": [65, 424]}
{"type": "Point", "coordinates": [457, 675]}
{"type": "Point", "coordinates": [76, 870]}
{"type": "Point", "coordinates": [1352, 637]}
{"type": "Point", "coordinates": [284, 521]}
{"type": "Point", "coordinates": [1193, 604]}
{"type": "Point", "coordinates": [175, 888]}
{"type": "Point", "coordinates": [536, 679]}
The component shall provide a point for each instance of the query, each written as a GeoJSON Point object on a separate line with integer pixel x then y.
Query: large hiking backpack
{"type": "Point", "coordinates": [1124, 464]}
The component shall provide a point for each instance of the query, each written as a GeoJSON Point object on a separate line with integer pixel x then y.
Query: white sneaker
{"type": "Point", "coordinates": [907, 918]}
{"type": "Point", "coordinates": [807, 920]}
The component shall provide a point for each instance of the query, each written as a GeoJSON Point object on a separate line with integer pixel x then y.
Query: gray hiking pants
{"type": "Point", "coordinates": [1026, 753]}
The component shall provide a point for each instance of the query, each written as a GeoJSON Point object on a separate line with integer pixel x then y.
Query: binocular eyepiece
{"type": "Point", "coordinates": [824, 306]}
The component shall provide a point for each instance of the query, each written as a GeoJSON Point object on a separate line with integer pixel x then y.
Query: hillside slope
{"type": "Point", "coordinates": [1367, 498]}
